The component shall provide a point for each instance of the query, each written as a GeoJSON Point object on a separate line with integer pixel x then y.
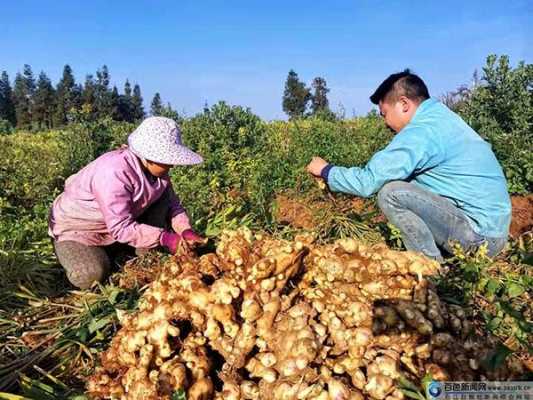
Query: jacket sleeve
{"type": "Point", "coordinates": [179, 218]}
{"type": "Point", "coordinates": [113, 193]}
{"type": "Point", "coordinates": [411, 151]}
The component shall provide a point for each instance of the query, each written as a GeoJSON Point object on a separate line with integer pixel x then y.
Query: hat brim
{"type": "Point", "coordinates": [177, 155]}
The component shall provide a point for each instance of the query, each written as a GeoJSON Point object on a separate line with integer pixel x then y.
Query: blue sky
{"type": "Point", "coordinates": [241, 51]}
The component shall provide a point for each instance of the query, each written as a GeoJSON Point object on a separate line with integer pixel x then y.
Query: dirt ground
{"type": "Point", "coordinates": [305, 213]}
{"type": "Point", "coordinates": [300, 214]}
{"type": "Point", "coordinates": [295, 213]}
{"type": "Point", "coordinates": [522, 220]}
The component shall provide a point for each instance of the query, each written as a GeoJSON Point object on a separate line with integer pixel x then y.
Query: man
{"type": "Point", "coordinates": [438, 180]}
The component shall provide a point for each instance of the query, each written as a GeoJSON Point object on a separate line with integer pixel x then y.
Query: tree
{"type": "Point", "coordinates": [102, 93]}
{"type": "Point", "coordinates": [23, 97]}
{"type": "Point", "coordinates": [169, 112]}
{"type": "Point", "coordinates": [68, 96]}
{"type": "Point", "coordinates": [115, 105]}
{"type": "Point", "coordinates": [137, 103]}
{"type": "Point", "coordinates": [88, 97]}
{"type": "Point", "coordinates": [125, 105]}
{"type": "Point", "coordinates": [499, 107]}
{"type": "Point", "coordinates": [44, 103]}
{"type": "Point", "coordinates": [156, 107]}
{"type": "Point", "coordinates": [7, 107]}
{"type": "Point", "coordinates": [295, 97]}
{"type": "Point", "coordinates": [457, 99]}
{"type": "Point", "coordinates": [503, 99]}
{"type": "Point", "coordinates": [319, 100]}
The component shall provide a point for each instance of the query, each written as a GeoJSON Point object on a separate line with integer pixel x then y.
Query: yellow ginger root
{"type": "Point", "coordinates": [379, 386]}
{"type": "Point", "coordinates": [414, 317]}
{"type": "Point", "coordinates": [265, 318]}
{"type": "Point", "coordinates": [136, 381]}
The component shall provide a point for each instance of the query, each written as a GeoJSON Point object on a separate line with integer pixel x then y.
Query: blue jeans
{"type": "Point", "coordinates": [428, 221]}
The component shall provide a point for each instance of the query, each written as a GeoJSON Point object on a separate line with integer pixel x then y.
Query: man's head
{"type": "Point", "coordinates": [398, 97]}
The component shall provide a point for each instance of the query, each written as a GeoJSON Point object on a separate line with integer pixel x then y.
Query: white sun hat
{"type": "Point", "coordinates": [158, 139]}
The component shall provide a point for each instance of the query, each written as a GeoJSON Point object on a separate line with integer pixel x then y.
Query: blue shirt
{"type": "Point", "coordinates": [440, 152]}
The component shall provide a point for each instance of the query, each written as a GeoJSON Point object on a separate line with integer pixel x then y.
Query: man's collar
{"type": "Point", "coordinates": [423, 107]}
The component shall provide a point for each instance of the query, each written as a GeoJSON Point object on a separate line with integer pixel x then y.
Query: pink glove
{"type": "Point", "coordinates": [191, 236]}
{"type": "Point", "coordinates": [170, 240]}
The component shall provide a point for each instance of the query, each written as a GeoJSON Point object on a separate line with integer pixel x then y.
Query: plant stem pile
{"type": "Point", "coordinates": [265, 318]}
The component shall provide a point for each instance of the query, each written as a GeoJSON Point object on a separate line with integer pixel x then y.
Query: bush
{"type": "Point", "coordinates": [230, 139]}
{"type": "Point", "coordinates": [501, 110]}
{"type": "Point", "coordinates": [5, 127]}
{"type": "Point", "coordinates": [35, 165]}
{"type": "Point", "coordinates": [31, 168]}
{"type": "Point", "coordinates": [247, 161]}
{"type": "Point", "coordinates": [83, 142]}
{"type": "Point", "coordinates": [291, 145]}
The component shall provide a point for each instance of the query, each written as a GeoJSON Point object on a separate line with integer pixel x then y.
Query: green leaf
{"type": "Point", "coordinates": [97, 324]}
{"type": "Point", "coordinates": [494, 323]}
{"type": "Point", "coordinates": [113, 295]}
{"type": "Point", "coordinates": [492, 286]}
{"type": "Point", "coordinates": [9, 396]}
{"type": "Point", "coordinates": [36, 389]}
{"type": "Point", "coordinates": [407, 384]}
{"type": "Point", "coordinates": [426, 381]}
{"type": "Point", "coordinates": [83, 334]}
{"type": "Point", "coordinates": [515, 290]}
{"type": "Point", "coordinates": [508, 309]}
{"type": "Point", "coordinates": [179, 395]}
{"type": "Point", "coordinates": [412, 394]}
{"type": "Point", "coordinates": [497, 358]}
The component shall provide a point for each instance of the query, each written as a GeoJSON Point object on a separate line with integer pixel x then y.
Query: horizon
{"type": "Point", "coordinates": [193, 54]}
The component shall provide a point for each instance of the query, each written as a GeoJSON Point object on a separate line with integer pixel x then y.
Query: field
{"type": "Point", "coordinates": [253, 199]}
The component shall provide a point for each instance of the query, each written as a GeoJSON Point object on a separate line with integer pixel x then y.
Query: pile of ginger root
{"type": "Point", "coordinates": [266, 318]}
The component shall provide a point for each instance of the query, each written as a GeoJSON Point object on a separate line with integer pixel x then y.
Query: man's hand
{"type": "Point", "coordinates": [316, 165]}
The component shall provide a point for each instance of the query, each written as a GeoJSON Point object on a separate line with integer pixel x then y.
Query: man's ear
{"type": "Point", "coordinates": [405, 103]}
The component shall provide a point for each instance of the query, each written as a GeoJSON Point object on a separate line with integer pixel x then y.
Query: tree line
{"type": "Point", "coordinates": [300, 101]}
{"type": "Point", "coordinates": [35, 103]}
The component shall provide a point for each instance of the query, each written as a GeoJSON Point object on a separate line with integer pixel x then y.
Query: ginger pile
{"type": "Point", "coordinates": [264, 318]}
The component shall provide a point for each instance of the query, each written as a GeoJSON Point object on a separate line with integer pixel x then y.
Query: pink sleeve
{"type": "Point", "coordinates": [180, 219]}
{"type": "Point", "coordinates": [112, 190]}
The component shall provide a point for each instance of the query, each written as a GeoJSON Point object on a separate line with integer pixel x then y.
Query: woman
{"type": "Point", "coordinates": [124, 196]}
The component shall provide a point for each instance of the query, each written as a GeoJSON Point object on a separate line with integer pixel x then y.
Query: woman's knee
{"type": "Point", "coordinates": [83, 264]}
{"type": "Point", "coordinates": [83, 276]}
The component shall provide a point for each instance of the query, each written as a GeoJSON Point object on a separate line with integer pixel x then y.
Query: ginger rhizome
{"type": "Point", "coordinates": [265, 318]}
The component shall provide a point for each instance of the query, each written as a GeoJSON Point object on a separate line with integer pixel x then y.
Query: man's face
{"type": "Point", "coordinates": [397, 113]}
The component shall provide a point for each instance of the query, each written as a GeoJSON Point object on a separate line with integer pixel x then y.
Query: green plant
{"type": "Point", "coordinates": [499, 293]}
{"type": "Point", "coordinates": [62, 334]}
{"type": "Point", "coordinates": [500, 108]}
{"type": "Point", "coordinates": [5, 127]}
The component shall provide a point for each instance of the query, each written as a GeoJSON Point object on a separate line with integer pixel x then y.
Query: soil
{"type": "Point", "coordinates": [363, 206]}
{"type": "Point", "coordinates": [522, 219]}
{"type": "Point", "coordinates": [303, 213]}
{"type": "Point", "coordinates": [294, 213]}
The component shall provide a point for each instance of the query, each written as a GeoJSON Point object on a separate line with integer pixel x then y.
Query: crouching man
{"type": "Point", "coordinates": [438, 181]}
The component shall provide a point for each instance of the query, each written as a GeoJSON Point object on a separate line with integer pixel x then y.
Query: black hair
{"type": "Point", "coordinates": [401, 84]}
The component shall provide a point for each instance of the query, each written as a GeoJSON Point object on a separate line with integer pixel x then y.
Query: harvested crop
{"type": "Point", "coordinates": [264, 318]}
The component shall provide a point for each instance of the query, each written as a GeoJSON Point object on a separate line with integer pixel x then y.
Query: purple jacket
{"type": "Point", "coordinates": [100, 204]}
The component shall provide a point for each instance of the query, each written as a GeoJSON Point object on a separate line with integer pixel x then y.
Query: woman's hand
{"type": "Point", "coordinates": [192, 238]}
{"type": "Point", "coordinates": [171, 241]}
